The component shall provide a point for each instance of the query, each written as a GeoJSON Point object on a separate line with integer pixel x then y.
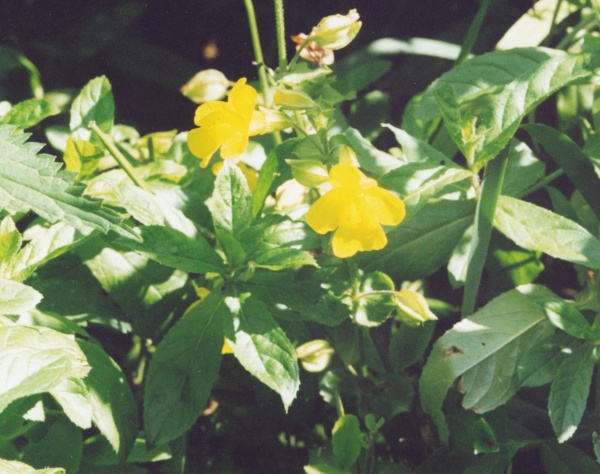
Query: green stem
{"type": "Point", "coordinates": [280, 25]}
{"type": "Point", "coordinates": [473, 32]}
{"type": "Point", "coordinates": [298, 51]}
{"type": "Point", "coordinates": [258, 55]}
{"type": "Point", "coordinates": [117, 155]}
{"type": "Point", "coordinates": [482, 228]}
{"type": "Point", "coordinates": [177, 462]}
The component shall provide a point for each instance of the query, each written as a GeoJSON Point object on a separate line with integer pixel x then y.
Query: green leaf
{"type": "Point", "coordinates": [372, 160]}
{"type": "Point", "coordinates": [183, 370]}
{"type": "Point", "coordinates": [362, 75]}
{"type": "Point", "coordinates": [30, 112]}
{"type": "Point", "coordinates": [72, 396]}
{"type": "Point", "coordinates": [113, 406]}
{"type": "Point", "coordinates": [36, 360]}
{"type": "Point", "coordinates": [408, 345]}
{"type": "Point", "coordinates": [524, 169]}
{"type": "Point", "coordinates": [61, 445]}
{"type": "Point", "coordinates": [16, 297]}
{"type": "Point", "coordinates": [375, 301]}
{"type": "Point", "coordinates": [576, 165]}
{"type": "Point", "coordinates": [422, 243]}
{"type": "Point", "coordinates": [32, 182]}
{"type": "Point", "coordinates": [174, 249]}
{"type": "Point", "coordinates": [346, 439]}
{"type": "Point", "coordinates": [231, 210]}
{"type": "Point", "coordinates": [539, 364]}
{"type": "Point", "coordinates": [146, 291]}
{"type": "Point", "coordinates": [485, 350]}
{"type": "Point", "coordinates": [262, 347]}
{"type": "Point", "coordinates": [95, 103]}
{"type": "Point", "coordinates": [82, 157]}
{"type": "Point", "coordinates": [536, 228]}
{"type": "Point", "coordinates": [18, 467]}
{"type": "Point", "coordinates": [566, 316]}
{"type": "Point", "coordinates": [509, 84]}
{"type": "Point", "coordinates": [569, 391]}
{"type": "Point", "coordinates": [566, 459]}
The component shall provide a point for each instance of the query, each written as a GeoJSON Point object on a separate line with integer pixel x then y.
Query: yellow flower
{"type": "Point", "coordinates": [357, 208]}
{"type": "Point", "coordinates": [226, 125]}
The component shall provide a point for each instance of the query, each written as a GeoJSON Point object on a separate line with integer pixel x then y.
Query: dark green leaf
{"type": "Point", "coordinates": [362, 75]}
{"type": "Point", "coordinates": [539, 364]}
{"type": "Point", "coordinates": [408, 344]}
{"type": "Point", "coordinates": [346, 439]}
{"type": "Point", "coordinates": [565, 459]}
{"type": "Point", "coordinates": [183, 370]}
{"type": "Point", "coordinates": [569, 391]}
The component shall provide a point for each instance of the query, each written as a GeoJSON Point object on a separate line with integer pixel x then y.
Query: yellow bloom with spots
{"type": "Point", "coordinates": [355, 208]}
{"type": "Point", "coordinates": [226, 126]}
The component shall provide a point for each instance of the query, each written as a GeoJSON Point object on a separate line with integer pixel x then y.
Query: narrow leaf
{"type": "Point", "coordinates": [566, 316]}
{"type": "Point", "coordinates": [535, 228]}
{"type": "Point", "coordinates": [569, 392]}
{"type": "Point", "coordinates": [183, 370]}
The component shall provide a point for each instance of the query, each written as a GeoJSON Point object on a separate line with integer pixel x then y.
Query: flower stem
{"type": "Point", "coordinates": [258, 55]}
{"type": "Point", "coordinates": [280, 25]}
{"type": "Point", "coordinates": [117, 155]}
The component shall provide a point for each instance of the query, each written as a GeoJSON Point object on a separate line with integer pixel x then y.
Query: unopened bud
{"type": "Point", "coordinates": [294, 100]}
{"type": "Point", "coordinates": [275, 120]}
{"type": "Point", "coordinates": [205, 86]}
{"type": "Point", "coordinates": [347, 156]}
{"type": "Point", "coordinates": [412, 308]}
{"type": "Point", "coordinates": [337, 31]}
{"type": "Point", "coordinates": [310, 173]}
{"type": "Point", "coordinates": [315, 356]}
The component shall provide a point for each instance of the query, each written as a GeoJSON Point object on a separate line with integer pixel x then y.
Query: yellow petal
{"type": "Point", "coordinates": [234, 143]}
{"type": "Point", "coordinates": [226, 348]}
{"type": "Point", "coordinates": [203, 144]}
{"type": "Point", "coordinates": [386, 208]}
{"type": "Point", "coordinates": [344, 175]}
{"type": "Point", "coordinates": [323, 215]}
{"type": "Point", "coordinates": [243, 98]}
{"type": "Point", "coordinates": [209, 108]}
{"type": "Point", "coordinates": [349, 240]}
{"type": "Point", "coordinates": [258, 123]}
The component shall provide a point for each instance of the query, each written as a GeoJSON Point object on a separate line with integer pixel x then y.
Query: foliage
{"type": "Point", "coordinates": [355, 298]}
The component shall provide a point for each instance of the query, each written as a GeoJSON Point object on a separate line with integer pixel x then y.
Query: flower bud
{"type": "Point", "coordinates": [412, 308]}
{"type": "Point", "coordinates": [294, 100]}
{"type": "Point", "coordinates": [205, 86]}
{"type": "Point", "coordinates": [275, 120]}
{"type": "Point", "coordinates": [336, 31]}
{"type": "Point", "coordinates": [310, 173]}
{"type": "Point", "coordinates": [315, 355]}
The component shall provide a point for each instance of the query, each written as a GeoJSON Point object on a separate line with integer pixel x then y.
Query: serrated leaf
{"type": "Point", "coordinates": [346, 439]}
{"type": "Point", "coordinates": [36, 360]}
{"type": "Point", "coordinates": [262, 347]}
{"type": "Point", "coordinates": [183, 370]}
{"type": "Point", "coordinates": [485, 350]}
{"type": "Point", "coordinates": [18, 467]}
{"type": "Point", "coordinates": [95, 102]}
{"type": "Point", "coordinates": [422, 243]}
{"type": "Point", "coordinates": [33, 182]}
{"type": "Point", "coordinates": [509, 84]}
{"type": "Point", "coordinates": [16, 297]}
{"type": "Point", "coordinates": [30, 112]}
{"type": "Point", "coordinates": [569, 391]}
{"type": "Point", "coordinates": [535, 228]}
{"type": "Point", "coordinates": [113, 407]}
{"type": "Point", "coordinates": [174, 249]}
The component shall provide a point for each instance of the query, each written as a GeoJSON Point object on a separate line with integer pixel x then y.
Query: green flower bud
{"type": "Point", "coordinates": [309, 173]}
{"type": "Point", "coordinates": [294, 100]}
{"type": "Point", "coordinates": [412, 308]}
{"type": "Point", "coordinates": [336, 31]}
{"type": "Point", "coordinates": [315, 356]}
{"type": "Point", "coordinates": [205, 86]}
{"type": "Point", "coordinates": [275, 120]}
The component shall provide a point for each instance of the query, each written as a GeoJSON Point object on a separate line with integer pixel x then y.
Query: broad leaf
{"type": "Point", "coordinates": [262, 347]}
{"type": "Point", "coordinates": [422, 243]}
{"type": "Point", "coordinates": [569, 391]}
{"type": "Point", "coordinates": [113, 407]}
{"type": "Point", "coordinates": [36, 360]}
{"type": "Point", "coordinates": [174, 249]}
{"type": "Point", "coordinates": [30, 112]}
{"type": "Point", "coordinates": [372, 160]}
{"type": "Point", "coordinates": [18, 467]}
{"type": "Point", "coordinates": [95, 103]}
{"type": "Point", "coordinates": [535, 228]}
{"type": "Point", "coordinates": [539, 364]}
{"type": "Point", "coordinates": [183, 370]}
{"type": "Point", "coordinates": [485, 350]}
{"type": "Point", "coordinates": [32, 182]}
{"type": "Point", "coordinates": [16, 297]}
{"type": "Point", "coordinates": [346, 439]}
{"type": "Point", "coordinates": [566, 459]}
{"type": "Point", "coordinates": [509, 84]}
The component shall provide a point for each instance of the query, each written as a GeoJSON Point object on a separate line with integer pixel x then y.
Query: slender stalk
{"type": "Point", "coordinates": [258, 55]}
{"type": "Point", "coordinates": [177, 462]}
{"type": "Point", "coordinates": [482, 229]}
{"type": "Point", "coordinates": [117, 155]}
{"type": "Point", "coordinates": [280, 25]}
{"type": "Point", "coordinates": [473, 32]}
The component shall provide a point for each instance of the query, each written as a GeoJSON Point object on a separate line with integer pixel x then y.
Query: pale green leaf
{"type": "Point", "coordinates": [262, 347]}
{"type": "Point", "coordinates": [485, 350]}
{"type": "Point", "coordinates": [72, 396]}
{"type": "Point", "coordinates": [535, 228]}
{"type": "Point", "coordinates": [566, 316]}
{"type": "Point", "coordinates": [113, 407]}
{"type": "Point", "coordinates": [569, 391]}
{"type": "Point", "coordinates": [95, 103]}
{"type": "Point", "coordinates": [16, 297]}
{"type": "Point", "coordinates": [183, 370]}
{"type": "Point", "coordinates": [30, 112]}
{"type": "Point", "coordinates": [372, 160]}
{"type": "Point", "coordinates": [33, 182]}
{"type": "Point", "coordinates": [36, 360]}
{"type": "Point", "coordinates": [346, 439]}
{"type": "Point", "coordinates": [18, 467]}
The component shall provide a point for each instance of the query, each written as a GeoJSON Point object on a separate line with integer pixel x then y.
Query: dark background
{"type": "Point", "coordinates": [149, 49]}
